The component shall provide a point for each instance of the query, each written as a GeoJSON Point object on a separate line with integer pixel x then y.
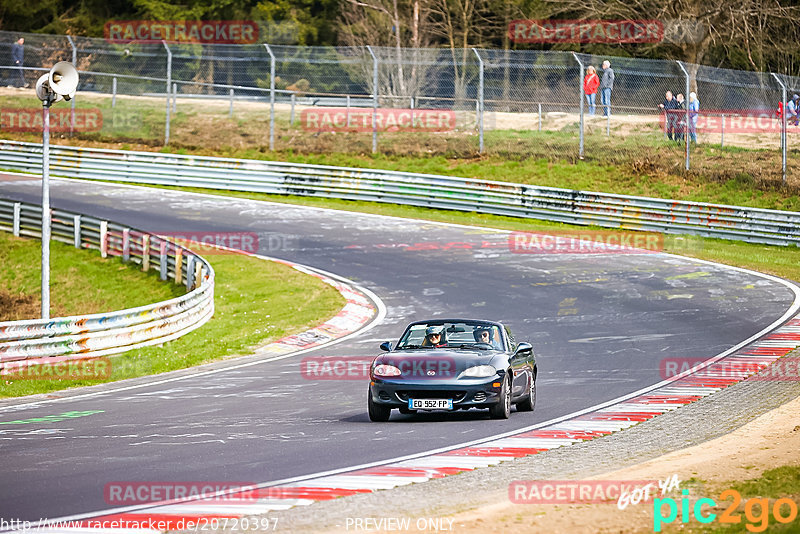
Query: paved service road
{"type": "Point", "coordinates": [600, 325]}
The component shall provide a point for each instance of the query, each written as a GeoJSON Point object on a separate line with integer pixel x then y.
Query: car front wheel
{"type": "Point", "coordinates": [377, 412]}
{"type": "Point", "coordinates": [529, 402]}
{"type": "Point", "coordinates": [502, 410]}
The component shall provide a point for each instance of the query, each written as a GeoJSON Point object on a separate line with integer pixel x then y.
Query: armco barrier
{"type": "Point", "coordinates": [465, 194]}
{"type": "Point", "coordinates": [24, 343]}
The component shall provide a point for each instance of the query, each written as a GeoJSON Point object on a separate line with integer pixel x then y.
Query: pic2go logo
{"type": "Point", "coordinates": [756, 511]}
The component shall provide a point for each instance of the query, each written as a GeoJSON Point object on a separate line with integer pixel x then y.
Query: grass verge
{"type": "Point", "coordinates": [256, 301]}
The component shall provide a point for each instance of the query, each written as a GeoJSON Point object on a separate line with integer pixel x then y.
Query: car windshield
{"type": "Point", "coordinates": [464, 334]}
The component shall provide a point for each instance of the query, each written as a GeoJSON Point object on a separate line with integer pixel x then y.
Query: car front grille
{"type": "Point", "coordinates": [479, 396]}
{"type": "Point", "coordinates": [456, 396]}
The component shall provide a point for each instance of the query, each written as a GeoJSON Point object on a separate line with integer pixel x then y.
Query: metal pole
{"type": "Point", "coordinates": [174, 97]}
{"type": "Point", "coordinates": [46, 209]}
{"type": "Point", "coordinates": [113, 92]}
{"type": "Point", "coordinates": [580, 96]}
{"type": "Point", "coordinates": [271, 97]}
{"type": "Point", "coordinates": [686, 127]}
{"type": "Point", "coordinates": [722, 134]}
{"type": "Point", "coordinates": [169, 85]}
{"type": "Point", "coordinates": [783, 126]}
{"type": "Point", "coordinates": [540, 116]}
{"type": "Point", "coordinates": [348, 111]}
{"type": "Point", "coordinates": [480, 101]}
{"type": "Point", "coordinates": [72, 101]}
{"type": "Point", "coordinates": [291, 112]}
{"type": "Point", "coordinates": [230, 111]}
{"type": "Point", "coordinates": [374, 100]}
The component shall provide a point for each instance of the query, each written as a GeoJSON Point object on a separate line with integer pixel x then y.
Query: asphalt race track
{"type": "Point", "coordinates": [600, 325]}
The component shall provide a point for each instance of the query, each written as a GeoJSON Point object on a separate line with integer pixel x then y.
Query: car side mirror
{"type": "Point", "coordinates": [523, 347]}
{"type": "Point", "coordinates": [386, 345]}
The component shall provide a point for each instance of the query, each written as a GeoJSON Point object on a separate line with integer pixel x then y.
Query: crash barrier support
{"type": "Point", "coordinates": [24, 343]}
{"type": "Point", "coordinates": [444, 192]}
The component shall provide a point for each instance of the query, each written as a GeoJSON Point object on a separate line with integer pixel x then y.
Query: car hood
{"type": "Point", "coordinates": [437, 363]}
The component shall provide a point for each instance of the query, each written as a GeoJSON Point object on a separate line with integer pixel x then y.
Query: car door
{"type": "Point", "coordinates": [520, 365]}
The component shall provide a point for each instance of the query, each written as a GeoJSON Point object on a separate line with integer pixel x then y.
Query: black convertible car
{"type": "Point", "coordinates": [452, 364]}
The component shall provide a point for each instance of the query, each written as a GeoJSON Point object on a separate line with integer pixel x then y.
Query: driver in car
{"type": "Point", "coordinates": [485, 335]}
{"type": "Point", "coordinates": [434, 337]}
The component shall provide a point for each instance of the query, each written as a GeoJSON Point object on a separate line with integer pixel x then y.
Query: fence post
{"type": "Point", "coordinates": [113, 92]}
{"type": "Point", "coordinates": [374, 99]}
{"type": "Point", "coordinates": [348, 111]}
{"type": "Point", "coordinates": [103, 239]}
{"type": "Point", "coordinates": [72, 100]}
{"type": "Point", "coordinates": [480, 101]}
{"type": "Point", "coordinates": [580, 96]}
{"type": "Point", "coordinates": [169, 85]}
{"type": "Point", "coordinates": [686, 126]}
{"type": "Point", "coordinates": [540, 116]}
{"type": "Point", "coordinates": [783, 125]}
{"type": "Point", "coordinates": [230, 111]}
{"type": "Point", "coordinates": [126, 244]}
{"type": "Point", "coordinates": [17, 208]}
{"type": "Point", "coordinates": [162, 254]}
{"type": "Point", "coordinates": [175, 97]}
{"type": "Point", "coordinates": [190, 273]}
{"type": "Point", "coordinates": [291, 111]}
{"type": "Point", "coordinates": [145, 252]}
{"type": "Point", "coordinates": [76, 231]}
{"type": "Point", "coordinates": [722, 134]}
{"type": "Point", "coordinates": [271, 97]}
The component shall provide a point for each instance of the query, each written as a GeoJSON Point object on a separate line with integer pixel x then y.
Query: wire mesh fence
{"type": "Point", "coordinates": [401, 100]}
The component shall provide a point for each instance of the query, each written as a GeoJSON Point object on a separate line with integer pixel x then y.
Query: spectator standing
{"type": "Point", "coordinates": [590, 84]}
{"type": "Point", "coordinates": [606, 86]}
{"type": "Point", "coordinates": [18, 58]}
{"type": "Point", "coordinates": [793, 110]}
{"type": "Point", "coordinates": [668, 107]}
{"type": "Point", "coordinates": [694, 108]}
{"type": "Point", "coordinates": [680, 117]}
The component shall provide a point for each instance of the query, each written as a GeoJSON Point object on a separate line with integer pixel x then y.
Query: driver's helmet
{"type": "Point", "coordinates": [435, 330]}
{"type": "Point", "coordinates": [478, 332]}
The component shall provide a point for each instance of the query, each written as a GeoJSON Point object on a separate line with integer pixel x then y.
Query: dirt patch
{"type": "Point", "coordinates": [17, 307]}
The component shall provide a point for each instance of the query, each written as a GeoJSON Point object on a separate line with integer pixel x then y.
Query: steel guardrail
{"type": "Point", "coordinates": [27, 342]}
{"type": "Point", "coordinates": [436, 191]}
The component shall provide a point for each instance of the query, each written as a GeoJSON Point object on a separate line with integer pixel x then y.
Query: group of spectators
{"type": "Point", "coordinates": [792, 108]}
{"type": "Point", "coordinates": [674, 110]}
{"type": "Point", "coordinates": [592, 82]}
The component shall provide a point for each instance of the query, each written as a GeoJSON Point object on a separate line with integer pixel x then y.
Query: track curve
{"type": "Point", "coordinates": [600, 324]}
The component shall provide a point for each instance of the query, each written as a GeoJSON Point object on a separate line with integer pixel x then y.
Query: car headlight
{"type": "Point", "coordinates": [478, 371]}
{"type": "Point", "coordinates": [386, 370]}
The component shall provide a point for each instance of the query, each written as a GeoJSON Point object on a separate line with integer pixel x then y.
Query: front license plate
{"type": "Point", "coordinates": [430, 404]}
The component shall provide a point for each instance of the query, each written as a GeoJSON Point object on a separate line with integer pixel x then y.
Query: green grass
{"type": "Point", "coordinates": [256, 301]}
{"type": "Point", "coordinates": [81, 282]}
{"type": "Point", "coordinates": [637, 161]}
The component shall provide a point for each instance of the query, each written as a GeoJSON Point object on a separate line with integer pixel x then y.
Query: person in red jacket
{"type": "Point", "coordinates": [590, 84]}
